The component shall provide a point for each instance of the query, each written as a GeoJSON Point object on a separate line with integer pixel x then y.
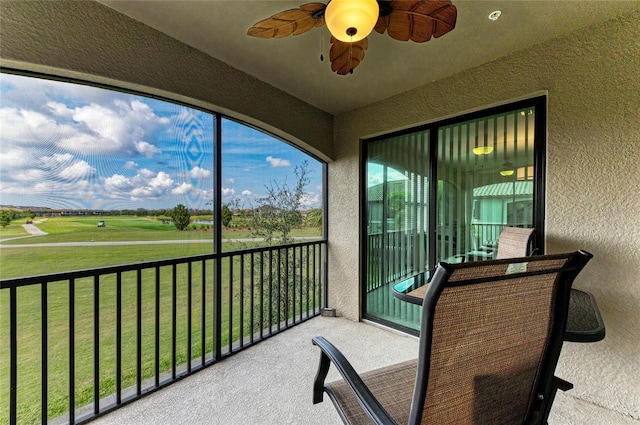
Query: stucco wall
{"type": "Point", "coordinates": [592, 79]}
{"type": "Point", "coordinates": [93, 42]}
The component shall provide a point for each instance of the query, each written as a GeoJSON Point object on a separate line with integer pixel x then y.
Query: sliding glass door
{"type": "Point", "coordinates": [397, 208]}
{"type": "Point", "coordinates": [444, 192]}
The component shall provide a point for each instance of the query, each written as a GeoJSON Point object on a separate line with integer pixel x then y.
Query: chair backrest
{"type": "Point", "coordinates": [491, 335]}
{"type": "Point", "coordinates": [514, 242]}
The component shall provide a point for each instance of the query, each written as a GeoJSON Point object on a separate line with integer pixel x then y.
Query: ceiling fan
{"type": "Point", "coordinates": [351, 21]}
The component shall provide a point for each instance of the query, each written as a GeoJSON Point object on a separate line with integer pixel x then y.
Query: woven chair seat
{"type": "Point", "coordinates": [391, 385]}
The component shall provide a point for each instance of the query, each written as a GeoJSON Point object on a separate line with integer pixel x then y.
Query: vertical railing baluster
{"type": "Point", "coordinates": [230, 304]}
{"type": "Point", "coordinates": [324, 290]}
{"type": "Point", "coordinates": [293, 285]}
{"type": "Point", "coordinates": [189, 309]}
{"type": "Point", "coordinates": [203, 305]}
{"type": "Point", "coordinates": [72, 352]}
{"type": "Point", "coordinates": [308, 279]}
{"type": "Point", "coordinates": [261, 294]}
{"type": "Point", "coordinates": [13, 350]}
{"type": "Point", "coordinates": [96, 344]}
{"type": "Point", "coordinates": [316, 303]}
{"type": "Point", "coordinates": [287, 305]}
{"type": "Point", "coordinates": [174, 316]}
{"type": "Point", "coordinates": [251, 300]}
{"type": "Point", "coordinates": [119, 338]}
{"type": "Point", "coordinates": [279, 318]}
{"type": "Point", "coordinates": [270, 290]}
{"type": "Point", "coordinates": [139, 332]}
{"type": "Point", "coordinates": [301, 277]}
{"type": "Point", "coordinates": [241, 287]}
{"type": "Point", "coordinates": [44, 396]}
{"type": "Point", "coordinates": [156, 370]}
{"type": "Point", "coordinates": [217, 310]}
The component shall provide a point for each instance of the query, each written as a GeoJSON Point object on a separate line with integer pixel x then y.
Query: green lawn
{"type": "Point", "coordinates": [29, 261]}
{"type": "Point", "coordinates": [117, 228]}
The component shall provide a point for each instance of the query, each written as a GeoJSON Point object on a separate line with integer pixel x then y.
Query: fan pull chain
{"type": "Point", "coordinates": [350, 55]}
{"type": "Point", "coordinates": [321, 45]}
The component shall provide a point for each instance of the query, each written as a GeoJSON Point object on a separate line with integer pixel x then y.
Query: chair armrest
{"type": "Point", "coordinates": [330, 354]}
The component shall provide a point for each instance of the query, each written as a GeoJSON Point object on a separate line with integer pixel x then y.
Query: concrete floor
{"type": "Point", "coordinates": [271, 383]}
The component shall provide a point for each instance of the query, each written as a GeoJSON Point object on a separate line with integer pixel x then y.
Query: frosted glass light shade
{"type": "Point", "coordinates": [351, 20]}
{"type": "Point", "coordinates": [483, 150]}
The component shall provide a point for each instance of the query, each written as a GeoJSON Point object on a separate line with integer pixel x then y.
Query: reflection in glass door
{"type": "Point", "coordinates": [444, 192]}
{"type": "Point", "coordinates": [397, 222]}
{"type": "Point", "coordinates": [485, 182]}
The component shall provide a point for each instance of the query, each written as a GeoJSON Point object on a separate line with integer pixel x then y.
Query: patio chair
{"type": "Point", "coordinates": [515, 242]}
{"type": "Point", "coordinates": [491, 334]}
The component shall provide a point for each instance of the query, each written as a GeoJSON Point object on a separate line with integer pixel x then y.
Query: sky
{"type": "Point", "coordinates": [74, 146]}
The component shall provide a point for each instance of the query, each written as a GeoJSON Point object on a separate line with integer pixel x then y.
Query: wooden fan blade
{"type": "Point", "coordinates": [345, 57]}
{"type": "Point", "coordinates": [418, 20]}
{"type": "Point", "coordinates": [289, 22]}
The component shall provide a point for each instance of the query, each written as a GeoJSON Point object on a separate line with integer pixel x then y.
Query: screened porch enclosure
{"type": "Point", "coordinates": [444, 192]}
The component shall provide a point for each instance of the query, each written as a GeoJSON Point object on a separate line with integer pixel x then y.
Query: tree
{"type": "Point", "coordinates": [5, 218]}
{"type": "Point", "coordinates": [272, 220]}
{"type": "Point", "coordinates": [181, 217]}
{"type": "Point", "coordinates": [227, 216]}
{"type": "Point", "coordinates": [314, 219]}
{"type": "Point", "coordinates": [278, 211]}
{"type": "Point", "coordinates": [30, 214]}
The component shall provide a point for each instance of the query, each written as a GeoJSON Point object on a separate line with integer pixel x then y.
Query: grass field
{"type": "Point", "coordinates": [36, 260]}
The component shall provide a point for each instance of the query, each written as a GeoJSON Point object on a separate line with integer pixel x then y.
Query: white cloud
{"type": "Point", "coordinates": [227, 192]}
{"type": "Point", "coordinates": [146, 173]}
{"type": "Point", "coordinates": [199, 173]}
{"type": "Point", "coordinates": [231, 180]}
{"type": "Point", "coordinates": [145, 185]}
{"type": "Point", "coordinates": [117, 126]}
{"type": "Point", "coordinates": [247, 193]}
{"type": "Point", "coordinates": [117, 183]}
{"type": "Point", "coordinates": [278, 162]}
{"type": "Point", "coordinates": [311, 199]}
{"type": "Point", "coordinates": [60, 109]}
{"type": "Point", "coordinates": [77, 171]}
{"type": "Point", "coordinates": [26, 126]}
{"type": "Point", "coordinates": [182, 189]}
{"type": "Point", "coordinates": [146, 149]}
{"type": "Point", "coordinates": [14, 158]}
{"type": "Point", "coordinates": [161, 181]}
{"type": "Point", "coordinates": [130, 165]}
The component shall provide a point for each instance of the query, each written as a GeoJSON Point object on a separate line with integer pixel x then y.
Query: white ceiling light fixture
{"type": "Point", "coordinates": [351, 20]}
{"type": "Point", "coordinates": [495, 15]}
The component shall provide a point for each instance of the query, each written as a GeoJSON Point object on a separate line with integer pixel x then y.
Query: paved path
{"type": "Point", "coordinates": [35, 231]}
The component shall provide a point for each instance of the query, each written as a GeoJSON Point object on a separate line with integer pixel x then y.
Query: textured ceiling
{"type": "Point", "coordinates": [293, 64]}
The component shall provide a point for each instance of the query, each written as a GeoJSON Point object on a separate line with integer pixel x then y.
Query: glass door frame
{"type": "Point", "coordinates": [539, 189]}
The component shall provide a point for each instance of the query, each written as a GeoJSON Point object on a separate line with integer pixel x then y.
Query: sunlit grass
{"type": "Point", "coordinates": [13, 230]}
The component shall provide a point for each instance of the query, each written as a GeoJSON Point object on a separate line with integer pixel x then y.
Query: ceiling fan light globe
{"type": "Point", "coordinates": [351, 20]}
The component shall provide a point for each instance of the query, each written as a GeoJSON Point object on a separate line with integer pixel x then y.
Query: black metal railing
{"type": "Point", "coordinates": [132, 329]}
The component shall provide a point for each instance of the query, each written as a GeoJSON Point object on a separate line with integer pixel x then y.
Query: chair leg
{"type": "Point", "coordinates": [558, 384]}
